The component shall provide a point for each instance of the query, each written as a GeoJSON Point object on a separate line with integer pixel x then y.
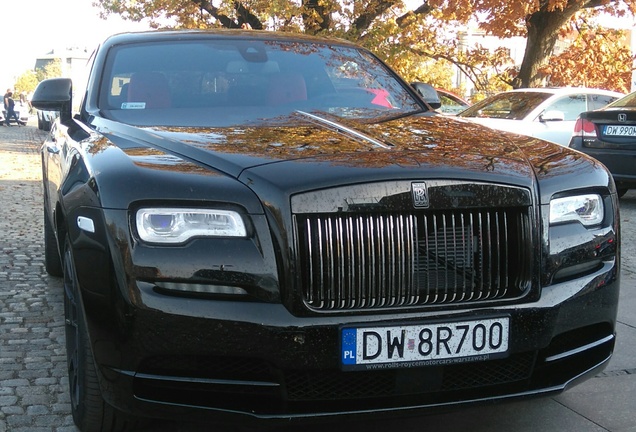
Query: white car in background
{"type": "Point", "coordinates": [546, 113]}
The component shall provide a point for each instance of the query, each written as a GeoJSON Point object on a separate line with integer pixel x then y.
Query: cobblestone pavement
{"type": "Point", "coordinates": [33, 384]}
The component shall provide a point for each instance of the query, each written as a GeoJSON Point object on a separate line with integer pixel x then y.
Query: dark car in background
{"type": "Point", "coordinates": [609, 135]}
{"type": "Point", "coordinates": [254, 226]}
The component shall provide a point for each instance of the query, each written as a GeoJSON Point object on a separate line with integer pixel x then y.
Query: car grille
{"type": "Point", "coordinates": [358, 261]}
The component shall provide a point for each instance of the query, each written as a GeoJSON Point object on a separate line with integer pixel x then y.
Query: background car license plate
{"type": "Point", "coordinates": [620, 130]}
{"type": "Point", "coordinates": [426, 344]}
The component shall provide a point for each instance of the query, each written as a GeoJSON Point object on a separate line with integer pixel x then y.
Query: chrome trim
{"type": "Point", "coordinates": [223, 382]}
{"type": "Point", "coordinates": [340, 128]}
{"type": "Point", "coordinates": [579, 349]}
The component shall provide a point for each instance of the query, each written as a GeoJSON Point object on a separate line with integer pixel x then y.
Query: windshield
{"type": "Point", "coordinates": [628, 101]}
{"type": "Point", "coordinates": [507, 105]}
{"type": "Point", "coordinates": [221, 82]}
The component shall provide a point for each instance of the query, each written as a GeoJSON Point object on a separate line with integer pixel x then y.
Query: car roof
{"type": "Point", "coordinates": [565, 90]}
{"type": "Point", "coordinates": [193, 34]}
{"type": "Point", "coordinates": [453, 95]}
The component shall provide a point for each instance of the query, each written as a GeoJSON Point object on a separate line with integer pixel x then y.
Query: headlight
{"type": "Point", "coordinates": [177, 225]}
{"type": "Point", "coordinates": [587, 209]}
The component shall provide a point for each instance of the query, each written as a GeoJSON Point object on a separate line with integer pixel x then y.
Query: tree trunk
{"type": "Point", "coordinates": [543, 30]}
{"type": "Point", "coordinates": [313, 26]}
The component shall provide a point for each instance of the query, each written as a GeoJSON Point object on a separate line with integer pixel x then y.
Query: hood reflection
{"type": "Point", "coordinates": [414, 141]}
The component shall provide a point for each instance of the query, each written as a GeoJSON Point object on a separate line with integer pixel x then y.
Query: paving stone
{"type": "Point", "coordinates": [13, 409]}
{"type": "Point", "coordinates": [8, 400]}
{"type": "Point", "coordinates": [36, 410]}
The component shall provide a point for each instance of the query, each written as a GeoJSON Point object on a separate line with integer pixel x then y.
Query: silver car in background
{"type": "Point", "coordinates": [546, 113]}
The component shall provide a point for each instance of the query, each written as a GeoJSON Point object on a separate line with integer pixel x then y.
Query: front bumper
{"type": "Point", "coordinates": [175, 355]}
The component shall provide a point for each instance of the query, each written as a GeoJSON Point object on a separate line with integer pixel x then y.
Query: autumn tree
{"type": "Point", "coordinates": [26, 82]}
{"type": "Point", "coordinates": [52, 69]}
{"type": "Point", "coordinates": [399, 34]}
{"type": "Point", "coordinates": [605, 52]}
{"type": "Point", "coordinates": [540, 21]}
{"type": "Point", "coordinates": [410, 39]}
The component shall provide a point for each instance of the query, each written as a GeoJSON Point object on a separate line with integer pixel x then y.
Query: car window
{"type": "Point", "coordinates": [628, 101]}
{"type": "Point", "coordinates": [571, 106]}
{"type": "Point", "coordinates": [450, 105]}
{"type": "Point", "coordinates": [216, 82]}
{"type": "Point", "coordinates": [506, 105]}
{"type": "Point", "coordinates": [596, 101]}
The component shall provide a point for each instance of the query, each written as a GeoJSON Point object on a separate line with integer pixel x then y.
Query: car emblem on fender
{"type": "Point", "coordinates": [419, 194]}
{"type": "Point", "coordinates": [622, 117]}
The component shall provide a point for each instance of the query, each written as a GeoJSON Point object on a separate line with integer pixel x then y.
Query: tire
{"type": "Point", "coordinates": [52, 260]}
{"type": "Point", "coordinates": [90, 412]}
{"type": "Point", "coordinates": [622, 191]}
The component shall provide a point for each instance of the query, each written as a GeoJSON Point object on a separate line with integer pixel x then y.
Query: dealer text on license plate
{"type": "Point", "coordinates": [422, 345]}
{"type": "Point", "coordinates": [620, 130]}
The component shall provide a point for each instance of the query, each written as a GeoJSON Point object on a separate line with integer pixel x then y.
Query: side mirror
{"type": "Point", "coordinates": [428, 93]}
{"type": "Point", "coordinates": [54, 94]}
{"type": "Point", "coordinates": [552, 115]}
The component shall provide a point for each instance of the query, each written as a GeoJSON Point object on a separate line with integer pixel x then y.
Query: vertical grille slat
{"type": "Point", "coordinates": [482, 247]}
{"type": "Point", "coordinates": [497, 263]}
{"type": "Point", "coordinates": [464, 272]}
{"type": "Point", "coordinates": [386, 260]}
{"type": "Point", "coordinates": [506, 280]}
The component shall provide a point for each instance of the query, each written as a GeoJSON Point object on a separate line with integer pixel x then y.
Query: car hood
{"type": "Point", "coordinates": [312, 152]}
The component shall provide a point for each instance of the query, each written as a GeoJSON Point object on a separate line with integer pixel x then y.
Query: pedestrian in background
{"type": "Point", "coordinates": [24, 102]}
{"type": "Point", "coordinates": [10, 108]}
{"type": "Point", "coordinates": [4, 101]}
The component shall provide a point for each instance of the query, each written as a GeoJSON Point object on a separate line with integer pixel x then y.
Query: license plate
{"type": "Point", "coordinates": [620, 130]}
{"type": "Point", "coordinates": [431, 344]}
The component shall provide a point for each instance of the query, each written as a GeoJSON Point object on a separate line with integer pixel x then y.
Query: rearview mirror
{"type": "Point", "coordinates": [428, 93]}
{"type": "Point", "coordinates": [54, 94]}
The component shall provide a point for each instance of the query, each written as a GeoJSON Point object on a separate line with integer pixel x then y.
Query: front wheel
{"type": "Point", "coordinates": [621, 192]}
{"type": "Point", "coordinates": [90, 412]}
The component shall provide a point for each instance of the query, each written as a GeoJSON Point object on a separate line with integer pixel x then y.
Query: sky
{"type": "Point", "coordinates": [35, 27]}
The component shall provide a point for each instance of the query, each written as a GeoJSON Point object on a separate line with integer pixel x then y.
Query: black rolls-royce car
{"type": "Point", "coordinates": [261, 226]}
